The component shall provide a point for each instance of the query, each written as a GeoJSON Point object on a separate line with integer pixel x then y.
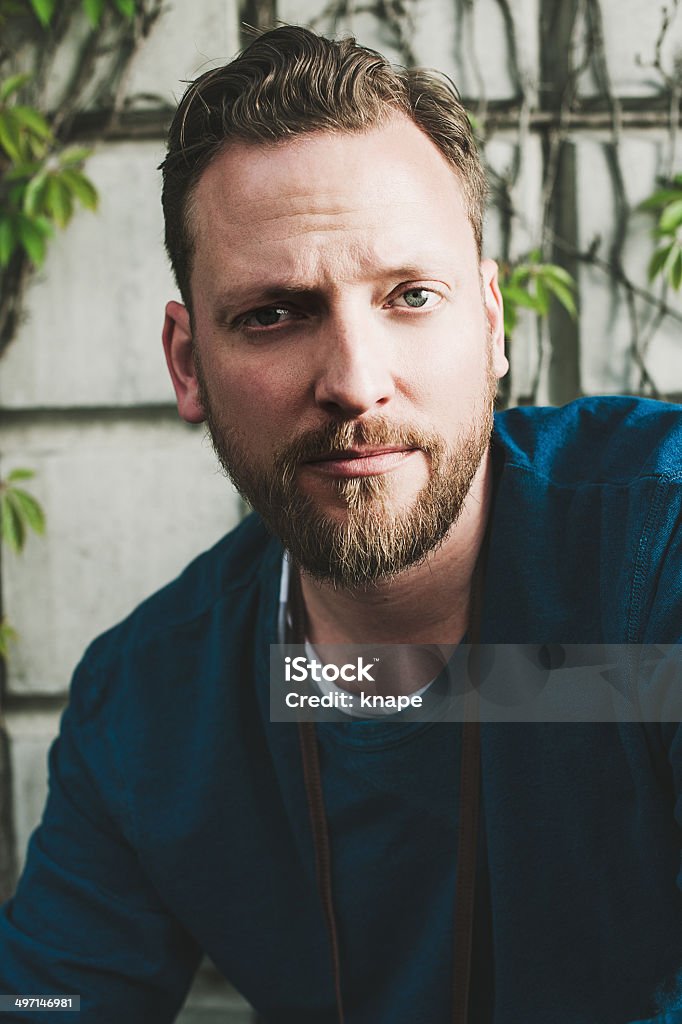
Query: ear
{"type": "Point", "coordinates": [178, 345]}
{"type": "Point", "coordinates": [495, 313]}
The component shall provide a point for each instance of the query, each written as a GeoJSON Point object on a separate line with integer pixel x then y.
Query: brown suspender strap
{"type": "Point", "coordinates": [469, 803]}
{"type": "Point", "coordinates": [469, 807]}
{"type": "Point", "coordinates": [318, 821]}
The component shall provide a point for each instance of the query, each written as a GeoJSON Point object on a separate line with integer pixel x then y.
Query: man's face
{"type": "Point", "coordinates": [344, 347]}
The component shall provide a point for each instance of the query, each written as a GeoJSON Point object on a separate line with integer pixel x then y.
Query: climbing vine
{"type": "Point", "coordinates": [42, 170]}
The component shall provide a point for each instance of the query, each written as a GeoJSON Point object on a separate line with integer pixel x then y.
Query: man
{"type": "Point", "coordinates": [342, 338]}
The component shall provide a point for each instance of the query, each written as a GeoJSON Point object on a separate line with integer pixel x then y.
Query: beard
{"type": "Point", "coordinates": [372, 541]}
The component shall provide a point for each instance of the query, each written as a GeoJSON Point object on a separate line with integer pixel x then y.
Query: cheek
{"type": "Point", "coordinates": [256, 399]}
{"type": "Point", "coordinates": [453, 377]}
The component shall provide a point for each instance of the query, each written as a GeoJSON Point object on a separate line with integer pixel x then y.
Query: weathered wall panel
{"type": "Point", "coordinates": [128, 505]}
{"type": "Point", "coordinates": [91, 334]}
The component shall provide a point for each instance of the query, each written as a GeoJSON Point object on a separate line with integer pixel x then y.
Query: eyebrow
{"type": "Point", "coordinates": [229, 303]}
{"type": "Point", "coordinates": [233, 302]}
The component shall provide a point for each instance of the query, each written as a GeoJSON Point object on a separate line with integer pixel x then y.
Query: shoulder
{"type": "Point", "coordinates": [609, 440]}
{"type": "Point", "coordinates": [587, 514]}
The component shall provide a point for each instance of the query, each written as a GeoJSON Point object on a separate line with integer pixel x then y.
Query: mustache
{"type": "Point", "coordinates": [334, 437]}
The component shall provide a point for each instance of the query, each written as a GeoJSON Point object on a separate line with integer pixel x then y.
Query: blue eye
{"type": "Point", "coordinates": [418, 298]}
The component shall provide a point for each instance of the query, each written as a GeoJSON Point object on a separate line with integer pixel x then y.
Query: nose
{"type": "Point", "coordinates": [355, 373]}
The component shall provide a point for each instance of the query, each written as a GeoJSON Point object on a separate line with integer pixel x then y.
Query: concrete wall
{"type": "Point", "coordinates": [131, 493]}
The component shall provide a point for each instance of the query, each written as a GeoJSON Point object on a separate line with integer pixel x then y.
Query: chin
{"type": "Point", "coordinates": [357, 504]}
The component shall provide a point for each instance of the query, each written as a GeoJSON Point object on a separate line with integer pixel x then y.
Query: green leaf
{"type": "Point", "coordinates": [675, 272]}
{"type": "Point", "coordinates": [26, 169]}
{"type": "Point", "coordinates": [520, 275]}
{"type": "Point", "coordinates": [657, 233]}
{"type": "Point", "coordinates": [12, 527]}
{"type": "Point", "coordinates": [563, 294]}
{"type": "Point", "coordinates": [20, 474]}
{"type": "Point", "coordinates": [660, 199]}
{"type": "Point", "coordinates": [16, 196]}
{"type": "Point", "coordinates": [73, 155]}
{"type": "Point", "coordinates": [58, 200]}
{"type": "Point", "coordinates": [126, 8]}
{"type": "Point", "coordinates": [33, 240]}
{"type": "Point", "coordinates": [542, 296]}
{"type": "Point", "coordinates": [43, 225]}
{"type": "Point", "coordinates": [12, 85]}
{"type": "Point", "coordinates": [28, 508]}
{"type": "Point", "coordinates": [552, 272]}
{"type": "Point", "coordinates": [8, 240]}
{"type": "Point", "coordinates": [10, 137]}
{"type": "Point", "coordinates": [81, 187]}
{"type": "Point", "coordinates": [44, 9]}
{"type": "Point", "coordinates": [671, 218]}
{"type": "Point", "coordinates": [93, 10]}
{"type": "Point", "coordinates": [7, 636]}
{"type": "Point", "coordinates": [672, 256]}
{"type": "Point", "coordinates": [32, 119]}
{"type": "Point", "coordinates": [33, 195]}
{"type": "Point", "coordinates": [510, 320]}
{"type": "Point", "coordinates": [519, 297]}
{"type": "Point", "coordinates": [657, 261]}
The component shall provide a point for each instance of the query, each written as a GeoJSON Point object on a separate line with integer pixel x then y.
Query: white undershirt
{"type": "Point", "coordinates": [323, 686]}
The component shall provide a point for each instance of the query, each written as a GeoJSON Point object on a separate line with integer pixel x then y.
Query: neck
{"type": "Point", "coordinates": [426, 604]}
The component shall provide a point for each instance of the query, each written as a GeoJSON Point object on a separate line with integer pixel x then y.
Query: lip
{"type": "Point", "coordinates": [354, 462]}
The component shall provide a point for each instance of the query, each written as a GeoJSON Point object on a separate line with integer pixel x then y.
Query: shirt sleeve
{"type": "Point", "coordinates": [85, 919]}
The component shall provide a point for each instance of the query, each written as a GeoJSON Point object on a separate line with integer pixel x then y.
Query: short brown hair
{"type": "Point", "coordinates": [288, 82]}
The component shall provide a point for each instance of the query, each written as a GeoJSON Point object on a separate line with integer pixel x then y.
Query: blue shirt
{"type": "Point", "coordinates": [177, 821]}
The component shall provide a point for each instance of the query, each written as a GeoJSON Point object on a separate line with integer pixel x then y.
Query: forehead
{"type": "Point", "coordinates": [326, 195]}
